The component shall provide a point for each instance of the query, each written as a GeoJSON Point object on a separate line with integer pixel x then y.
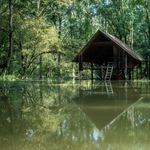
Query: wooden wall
{"type": "Point", "coordinates": [132, 63]}
{"type": "Point", "coordinates": [119, 59]}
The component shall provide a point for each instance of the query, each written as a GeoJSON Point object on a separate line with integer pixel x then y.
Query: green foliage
{"type": "Point", "coordinates": [72, 47]}
{"type": "Point", "coordinates": [53, 28]}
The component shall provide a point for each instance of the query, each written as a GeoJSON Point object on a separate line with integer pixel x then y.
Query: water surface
{"type": "Point", "coordinates": [97, 116]}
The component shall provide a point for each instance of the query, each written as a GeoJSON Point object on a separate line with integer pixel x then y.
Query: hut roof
{"type": "Point", "coordinates": [98, 46]}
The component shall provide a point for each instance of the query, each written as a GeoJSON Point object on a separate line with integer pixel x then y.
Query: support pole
{"type": "Point", "coordinates": [133, 70]}
{"type": "Point", "coordinates": [125, 71]}
{"type": "Point", "coordinates": [141, 70]}
{"type": "Point", "coordinates": [126, 95]}
{"type": "Point", "coordinates": [129, 75]}
{"type": "Point", "coordinates": [91, 70]}
{"type": "Point", "coordinates": [137, 76]}
{"type": "Point", "coordinates": [80, 59]}
{"type": "Point", "coordinates": [147, 65]}
{"type": "Point", "coordinates": [102, 73]}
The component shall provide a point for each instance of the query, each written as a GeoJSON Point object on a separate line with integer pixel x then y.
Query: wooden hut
{"type": "Point", "coordinates": [103, 48]}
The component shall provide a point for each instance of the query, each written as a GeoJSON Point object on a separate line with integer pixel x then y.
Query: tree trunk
{"type": "Point", "coordinates": [60, 22]}
{"type": "Point", "coordinates": [73, 72]}
{"type": "Point", "coordinates": [132, 36]}
{"type": "Point", "coordinates": [58, 64]}
{"type": "Point", "coordinates": [24, 73]}
{"type": "Point", "coordinates": [10, 37]}
{"type": "Point", "coordinates": [148, 22]}
{"type": "Point", "coordinates": [126, 67]}
{"type": "Point", "coordinates": [105, 25]}
{"type": "Point", "coordinates": [149, 67]}
{"type": "Point", "coordinates": [41, 93]}
{"type": "Point", "coordinates": [41, 67]}
{"type": "Point", "coordinates": [91, 71]}
{"type": "Point", "coordinates": [38, 14]}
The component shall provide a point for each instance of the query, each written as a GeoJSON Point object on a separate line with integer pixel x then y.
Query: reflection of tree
{"type": "Point", "coordinates": [9, 123]}
{"type": "Point", "coordinates": [60, 124]}
{"type": "Point", "coordinates": [51, 125]}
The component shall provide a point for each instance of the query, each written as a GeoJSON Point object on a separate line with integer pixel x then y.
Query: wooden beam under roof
{"type": "Point", "coordinates": [95, 68]}
{"type": "Point", "coordinates": [108, 43]}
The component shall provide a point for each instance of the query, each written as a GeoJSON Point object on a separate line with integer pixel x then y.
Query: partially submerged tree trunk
{"type": "Point", "coordinates": [40, 60]}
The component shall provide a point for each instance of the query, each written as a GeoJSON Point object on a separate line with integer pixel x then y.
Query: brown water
{"type": "Point", "coordinates": [98, 116]}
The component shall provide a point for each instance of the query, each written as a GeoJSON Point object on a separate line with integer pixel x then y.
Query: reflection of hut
{"type": "Point", "coordinates": [103, 48]}
{"type": "Point", "coordinates": [103, 110]}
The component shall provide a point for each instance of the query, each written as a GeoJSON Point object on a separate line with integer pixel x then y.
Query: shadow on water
{"type": "Point", "coordinates": [98, 115]}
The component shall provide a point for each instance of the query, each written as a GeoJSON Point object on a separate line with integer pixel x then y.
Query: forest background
{"type": "Point", "coordinates": [41, 37]}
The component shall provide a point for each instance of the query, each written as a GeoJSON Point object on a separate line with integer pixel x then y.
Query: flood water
{"type": "Point", "coordinates": [86, 116]}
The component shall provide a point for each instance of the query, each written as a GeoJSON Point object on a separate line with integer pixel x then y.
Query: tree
{"type": "Point", "coordinates": [35, 37]}
{"type": "Point", "coordinates": [5, 65]}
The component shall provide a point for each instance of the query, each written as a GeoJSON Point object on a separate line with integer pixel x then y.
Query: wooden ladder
{"type": "Point", "coordinates": [109, 70]}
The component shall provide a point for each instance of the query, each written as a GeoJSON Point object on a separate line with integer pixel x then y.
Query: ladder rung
{"type": "Point", "coordinates": [109, 71]}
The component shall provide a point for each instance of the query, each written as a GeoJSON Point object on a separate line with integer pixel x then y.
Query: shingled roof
{"type": "Point", "coordinates": [89, 49]}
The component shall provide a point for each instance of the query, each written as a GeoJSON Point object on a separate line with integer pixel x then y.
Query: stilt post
{"type": "Point", "coordinates": [125, 71]}
{"type": "Point", "coordinates": [137, 75]}
{"type": "Point", "coordinates": [102, 73]}
{"type": "Point", "coordinates": [91, 70]}
{"type": "Point", "coordinates": [80, 58]}
{"type": "Point", "coordinates": [147, 65]}
{"type": "Point", "coordinates": [141, 71]}
{"type": "Point", "coordinates": [133, 70]}
{"type": "Point", "coordinates": [129, 75]}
